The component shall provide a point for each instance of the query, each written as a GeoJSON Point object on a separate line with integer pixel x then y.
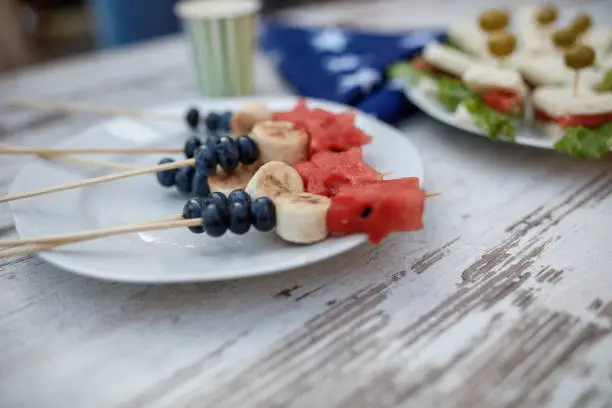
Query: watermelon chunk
{"type": "Point", "coordinates": [327, 130]}
{"type": "Point", "coordinates": [377, 208]}
{"type": "Point", "coordinates": [327, 171]}
{"type": "Point", "coordinates": [297, 115]}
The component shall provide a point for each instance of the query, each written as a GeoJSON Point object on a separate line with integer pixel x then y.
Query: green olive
{"type": "Point", "coordinates": [547, 14]}
{"type": "Point", "coordinates": [579, 56]}
{"type": "Point", "coordinates": [494, 20]}
{"type": "Point", "coordinates": [581, 23]}
{"type": "Point", "coordinates": [564, 37]}
{"type": "Point", "coordinates": [502, 44]}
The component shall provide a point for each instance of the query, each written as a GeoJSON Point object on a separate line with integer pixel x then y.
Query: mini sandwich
{"type": "Point", "coordinates": [550, 70]}
{"type": "Point", "coordinates": [437, 62]}
{"type": "Point", "coordinates": [600, 39]}
{"type": "Point", "coordinates": [470, 38]}
{"type": "Point", "coordinates": [558, 113]}
{"type": "Point", "coordinates": [534, 25]}
{"type": "Point", "coordinates": [497, 99]}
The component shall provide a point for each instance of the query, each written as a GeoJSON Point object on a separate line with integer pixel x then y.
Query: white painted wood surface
{"type": "Point", "coordinates": [503, 300]}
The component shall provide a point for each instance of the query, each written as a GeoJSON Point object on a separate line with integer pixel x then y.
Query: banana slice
{"type": "Point", "coordinates": [237, 179]}
{"type": "Point", "coordinates": [273, 179]}
{"type": "Point", "coordinates": [301, 217]}
{"type": "Point", "coordinates": [259, 110]}
{"type": "Point", "coordinates": [243, 121]}
{"type": "Point", "coordinates": [279, 141]}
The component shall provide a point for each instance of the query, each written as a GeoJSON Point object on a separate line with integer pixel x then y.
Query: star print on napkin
{"type": "Point", "coordinates": [345, 66]}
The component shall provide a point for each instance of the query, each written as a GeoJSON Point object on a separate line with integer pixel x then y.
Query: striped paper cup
{"type": "Point", "coordinates": [222, 36]}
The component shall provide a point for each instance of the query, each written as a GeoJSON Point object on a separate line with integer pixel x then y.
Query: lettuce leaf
{"type": "Point", "coordinates": [605, 85]}
{"type": "Point", "coordinates": [405, 70]}
{"type": "Point", "coordinates": [452, 92]}
{"type": "Point", "coordinates": [581, 142]}
{"type": "Point", "coordinates": [453, 44]}
{"type": "Point", "coordinates": [492, 121]}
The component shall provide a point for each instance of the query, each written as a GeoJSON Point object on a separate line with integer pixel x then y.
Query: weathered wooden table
{"type": "Point", "coordinates": [503, 300]}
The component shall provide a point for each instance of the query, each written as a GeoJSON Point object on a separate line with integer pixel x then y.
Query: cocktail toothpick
{"type": "Point", "coordinates": [578, 57]}
{"type": "Point", "coordinates": [494, 20]}
{"type": "Point", "coordinates": [547, 14]}
{"type": "Point", "coordinates": [502, 45]}
{"type": "Point", "coordinates": [581, 23]}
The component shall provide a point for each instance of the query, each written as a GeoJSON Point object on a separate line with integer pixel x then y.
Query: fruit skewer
{"type": "Point", "coordinates": [18, 150]}
{"type": "Point", "coordinates": [239, 122]}
{"type": "Point", "coordinates": [301, 218]}
{"type": "Point", "coordinates": [227, 152]}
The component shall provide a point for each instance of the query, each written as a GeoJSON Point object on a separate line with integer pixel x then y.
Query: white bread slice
{"type": "Point", "coordinates": [482, 77]}
{"type": "Point", "coordinates": [555, 101]}
{"type": "Point", "coordinates": [600, 39]}
{"type": "Point", "coordinates": [447, 59]}
{"type": "Point", "coordinates": [548, 130]}
{"type": "Point", "coordinates": [470, 38]}
{"type": "Point", "coordinates": [550, 70]}
{"type": "Point", "coordinates": [533, 38]}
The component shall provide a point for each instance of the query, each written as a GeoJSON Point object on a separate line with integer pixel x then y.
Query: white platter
{"type": "Point", "coordinates": [172, 255]}
{"type": "Point", "coordinates": [524, 134]}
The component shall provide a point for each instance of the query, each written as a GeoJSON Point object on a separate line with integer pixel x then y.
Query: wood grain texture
{"type": "Point", "coordinates": [503, 300]}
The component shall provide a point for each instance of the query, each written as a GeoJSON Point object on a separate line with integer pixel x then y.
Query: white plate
{"type": "Point", "coordinates": [524, 134]}
{"type": "Point", "coordinates": [172, 255]}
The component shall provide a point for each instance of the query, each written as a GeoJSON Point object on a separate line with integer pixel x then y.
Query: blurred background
{"type": "Point", "coordinates": [32, 31]}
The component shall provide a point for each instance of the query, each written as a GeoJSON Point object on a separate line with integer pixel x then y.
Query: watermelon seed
{"type": "Point", "coordinates": [366, 212]}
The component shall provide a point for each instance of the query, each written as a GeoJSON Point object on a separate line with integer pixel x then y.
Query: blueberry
{"type": "Point", "coordinates": [247, 149]}
{"type": "Point", "coordinates": [239, 218]}
{"type": "Point", "coordinates": [191, 145]}
{"type": "Point", "coordinates": [212, 140]}
{"type": "Point", "coordinates": [206, 160]}
{"type": "Point", "coordinates": [219, 198]}
{"type": "Point", "coordinates": [166, 177]}
{"type": "Point", "coordinates": [227, 153]}
{"type": "Point", "coordinates": [199, 185]}
{"type": "Point", "coordinates": [193, 209]}
{"type": "Point", "coordinates": [193, 118]}
{"type": "Point", "coordinates": [214, 219]}
{"type": "Point", "coordinates": [263, 214]}
{"type": "Point", "coordinates": [212, 121]}
{"type": "Point", "coordinates": [239, 196]}
{"type": "Point", "coordinates": [184, 178]}
{"type": "Point", "coordinates": [224, 122]}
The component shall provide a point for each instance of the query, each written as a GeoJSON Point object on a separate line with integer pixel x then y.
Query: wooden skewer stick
{"type": "Point", "coordinates": [100, 233]}
{"type": "Point", "coordinates": [75, 108]}
{"type": "Point", "coordinates": [55, 152]}
{"type": "Point", "coordinates": [73, 237]}
{"type": "Point", "coordinates": [576, 82]}
{"type": "Point", "coordinates": [90, 162]}
{"type": "Point", "coordinates": [52, 241]}
{"type": "Point", "coordinates": [83, 160]}
{"type": "Point", "coordinates": [100, 179]}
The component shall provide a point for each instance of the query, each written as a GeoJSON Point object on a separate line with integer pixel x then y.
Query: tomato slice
{"type": "Point", "coordinates": [422, 65]}
{"type": "Point", "coordinates": [502, 100]}
{"type": "Point", "coordinates": [588, 121]}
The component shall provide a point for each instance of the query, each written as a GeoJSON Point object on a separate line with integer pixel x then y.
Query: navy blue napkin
{"type": "Point", "coordinates": [345, 66]}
